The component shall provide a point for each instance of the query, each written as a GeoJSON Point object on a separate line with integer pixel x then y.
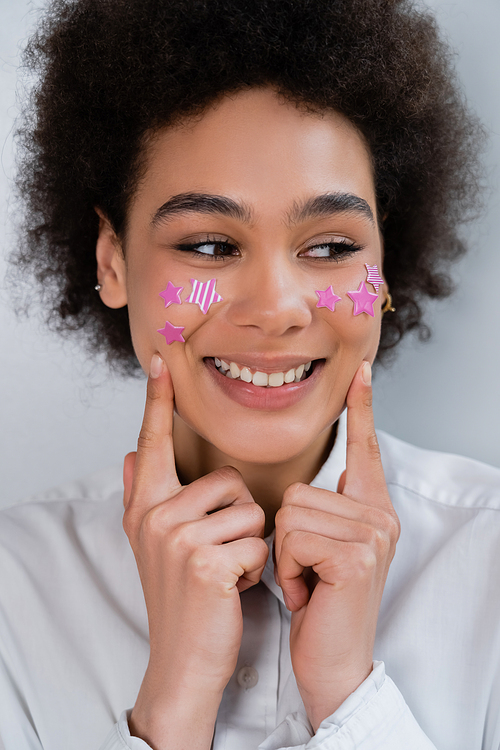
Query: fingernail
{"type": "Point", "coordinates": [156, 367]}
{"type": "Point", "coordinates": [366, 373]}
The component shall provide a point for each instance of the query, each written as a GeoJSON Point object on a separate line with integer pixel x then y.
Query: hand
{"type": "Point", "coordinates": [348, 538]}
{"type": "Point", "coordinates": [192, 563]}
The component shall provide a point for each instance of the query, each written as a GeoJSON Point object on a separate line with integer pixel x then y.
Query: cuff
{"type": "Point", "coordinates": [120, 739]}
{"type": "Point", "coordinates": [375, 716]}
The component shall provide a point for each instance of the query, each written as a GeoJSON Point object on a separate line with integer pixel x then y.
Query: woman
{"type": "Point", "coordinates": [261, 186]}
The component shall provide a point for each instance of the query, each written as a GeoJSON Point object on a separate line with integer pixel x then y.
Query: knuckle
{"type": "Point", "coordinates": [155, 522]}
{"type": "Point", "coordinates": [388, 522]}
{"type": "Point", "coordinates": [203, 566]}
{"type": "Point", "coordinates": [285, 518]}
{"type": "Point", "coordinates": [292, 493]}
{"type": "Point", "coordinates": [255, 513]}
{"type": "Point", "coordinates": [372, 444]}
{"type": "Point", "coordinates": [129, 522]}
{"type": "Point", "coordinates": [379, 540]}
{"type": "Point", "coordinates": [364, 561]}
{"type": "Point", "coordinates": [294, 539]}
{"type": "Point", "coordinates": [393, 526]}
{"type": "Point", "coordinates": [153, 392]}
{"type": "Point", "coordinates": [258, 549]}
{"type": "Point", "coordinates": [228, 474]}
{"type": "Point", "coordinates": [181, 539]}
{"type": "Point", "coordinates": [367, 399]}
{"type": "Point", "coordinates": [147, 438]}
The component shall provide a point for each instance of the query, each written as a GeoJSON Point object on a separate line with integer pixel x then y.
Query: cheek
{"type": "Point", "coordinates": [165, 311]}
{"type": "Point", "coordinates": [352, 309]}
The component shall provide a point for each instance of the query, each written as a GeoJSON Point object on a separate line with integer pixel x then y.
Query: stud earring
{"type": "Point", "coordinates": [98, 287]}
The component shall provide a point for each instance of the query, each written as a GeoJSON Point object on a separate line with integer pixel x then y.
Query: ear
{"type": "Point", "coordinates": [111, 269]}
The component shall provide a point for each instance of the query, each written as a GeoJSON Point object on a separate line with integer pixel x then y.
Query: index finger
{"type": "Point", "coordinates": [155, 475]}
{"type": "Point", "coordinates": [364, 476]}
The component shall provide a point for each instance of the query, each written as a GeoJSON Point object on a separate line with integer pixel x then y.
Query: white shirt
{"type": "Point", "coordinates": [74, 634]}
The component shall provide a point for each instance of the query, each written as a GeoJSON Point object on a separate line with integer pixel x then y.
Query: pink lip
{"type": "Point", "coordinates": [268, 399]}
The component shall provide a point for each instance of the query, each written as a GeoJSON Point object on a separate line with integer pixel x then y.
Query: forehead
{"type": "Point", "coordinates": [260, 149]}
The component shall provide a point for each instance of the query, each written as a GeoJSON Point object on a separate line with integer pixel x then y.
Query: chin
{"type": "Point", "coordinates": [266, 446]}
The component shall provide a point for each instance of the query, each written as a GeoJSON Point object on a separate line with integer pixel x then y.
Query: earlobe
{"type": "Point", "coordinates": [111, 270]}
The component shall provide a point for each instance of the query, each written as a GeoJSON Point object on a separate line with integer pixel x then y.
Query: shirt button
{"type": "Point", "coordinates": [247, 677]}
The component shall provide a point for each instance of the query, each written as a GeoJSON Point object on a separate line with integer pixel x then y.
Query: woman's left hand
{"type": "Point", "coordinates": [343, 544]}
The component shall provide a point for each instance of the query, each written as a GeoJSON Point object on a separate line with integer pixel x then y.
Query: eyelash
{"type": "Point", "coordinates": [343, 249]}
{"type": "Point", "coordinates": [190, 247]}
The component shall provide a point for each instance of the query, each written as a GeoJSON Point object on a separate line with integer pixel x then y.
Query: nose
{"type": "Point", "coordinates": [272, 297]}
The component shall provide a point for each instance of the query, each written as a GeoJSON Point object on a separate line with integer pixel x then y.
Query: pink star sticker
{"type": "Point", "coordinates": [363, 300]}
{"type": "Point", "coordinates": [327, 298]}
{"type": "Point", "coordinates": [374, 277]}
{"type": "Point", "coordinates": [172, 294]}
{"type": "Point", "coordinates": [172, 333]}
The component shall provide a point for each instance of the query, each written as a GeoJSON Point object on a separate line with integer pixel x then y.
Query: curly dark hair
{"type": "Point", "coordinates": [109, 72]}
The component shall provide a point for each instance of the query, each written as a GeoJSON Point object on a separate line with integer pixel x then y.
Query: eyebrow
{"type": "Point", "coordinates": [328, 204]}
{"type": "Point", "coordinates": [201, 203]}
{"type": "Point", "coordinates": [315, 207]}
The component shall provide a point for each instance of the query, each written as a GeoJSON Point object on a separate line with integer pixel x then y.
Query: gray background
{"type": "Point", "coordinates": [63, 416]}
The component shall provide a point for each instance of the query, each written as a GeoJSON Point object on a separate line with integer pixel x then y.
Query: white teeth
{"type": "Point", "coordinates": [246, 375]}
{"type": "Point", "coordinates": [260, 378]}
{"type": "Point", "coordinates": [263, 379]}
{"type": "Point", "coordinates": [235, 370]}
{"type": "Point", "coordinates": [276, 379]}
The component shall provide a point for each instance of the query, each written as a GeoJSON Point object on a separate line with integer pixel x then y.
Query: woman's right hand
{"type": "Point", "coordinates": [193, 564]}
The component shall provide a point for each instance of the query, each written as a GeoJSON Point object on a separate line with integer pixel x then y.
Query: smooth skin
{"type": "Point", "coordinates": [200, 451]}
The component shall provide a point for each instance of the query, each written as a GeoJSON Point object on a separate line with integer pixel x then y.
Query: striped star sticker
{"type": "Point", "coordinates": [374, 277]}
{"type": "Point", "coordinates": [204, 294]}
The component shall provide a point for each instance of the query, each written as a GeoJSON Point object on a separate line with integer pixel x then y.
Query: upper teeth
{"type": "Point", "coordinates": [273, 379]}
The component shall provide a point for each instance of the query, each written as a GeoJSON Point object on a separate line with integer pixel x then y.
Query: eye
{"type": "Point", "coordinates": [213, 249]}
{"type": "Point", "coordinates": [336, 250]}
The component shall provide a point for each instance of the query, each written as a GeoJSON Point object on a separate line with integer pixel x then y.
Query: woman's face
{"type": "Point", "coordinates": [273, 204]}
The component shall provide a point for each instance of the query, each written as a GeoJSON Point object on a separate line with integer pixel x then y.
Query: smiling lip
{"type": "Point", "coordinates": [268, 399]}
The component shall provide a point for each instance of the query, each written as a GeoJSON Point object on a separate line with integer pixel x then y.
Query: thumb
{"type": "Point", "coordinates": [341, 483]}
{"type": "Point", "coordinates": [128, 475]}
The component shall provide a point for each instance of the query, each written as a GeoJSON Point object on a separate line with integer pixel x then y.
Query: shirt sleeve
{"type": "Point", "coordinates": [120, 739]}
{"type": "Point", "coordinates": [375, 716]}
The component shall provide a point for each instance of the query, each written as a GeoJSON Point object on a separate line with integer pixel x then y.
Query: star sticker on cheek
{"type": "Point", "coordinates": [374, 277]}
{"type": "Point", "coordinates": [363, 300]}
{"type": "Point", "coordinates": [172, 294]}
{"type": "Point", "coordinates": [172, 333]}
{"type": "Point", "coordinates": [204, 294]}
{"type": "Point", "coordinates": [327, 298]}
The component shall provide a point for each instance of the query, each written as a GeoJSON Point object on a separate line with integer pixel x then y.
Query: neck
{"type": "Point", "coordinates": [195, 457]}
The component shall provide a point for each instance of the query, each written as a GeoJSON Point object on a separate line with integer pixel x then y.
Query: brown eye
{"type": "Point", "coordinates": [213, 249]}
{"type": "Point", "coordinates": [332, 250]}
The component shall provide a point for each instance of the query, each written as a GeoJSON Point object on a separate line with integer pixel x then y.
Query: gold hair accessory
{"type": "Point", "coordinates": [388, 305]}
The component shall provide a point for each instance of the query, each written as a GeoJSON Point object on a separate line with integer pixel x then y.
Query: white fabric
{"type": "Point", "coordinates": [74, 635]}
